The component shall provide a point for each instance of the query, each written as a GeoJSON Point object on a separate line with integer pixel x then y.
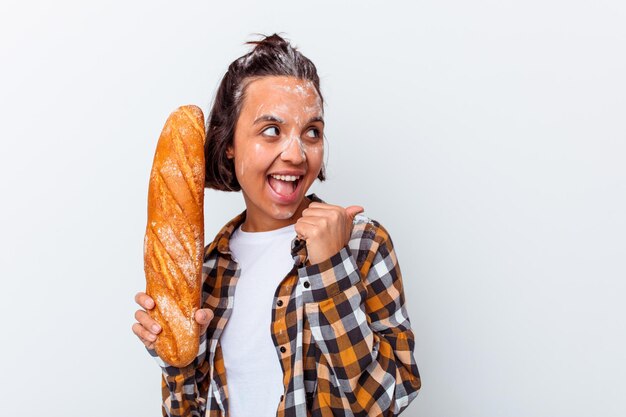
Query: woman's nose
{"type": "Point", "coordinates": [293, 151]}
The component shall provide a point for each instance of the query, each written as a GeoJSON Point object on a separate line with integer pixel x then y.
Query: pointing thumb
{"type": "Point", "coordinates": [352, 211]}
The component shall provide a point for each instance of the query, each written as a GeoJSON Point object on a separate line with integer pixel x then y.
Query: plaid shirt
{"type": "Point", "coordinates": [340, 327]}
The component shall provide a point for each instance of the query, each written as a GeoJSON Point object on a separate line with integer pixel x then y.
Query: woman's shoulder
{"type": "Point", "coordinates": [371, 246]}
{"type": "Point", "coordinates": [220, 242]}
{"type": "Point", "coordinates": [368, 233]}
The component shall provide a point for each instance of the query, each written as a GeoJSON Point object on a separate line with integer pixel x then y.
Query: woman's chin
{"type": "Point", "coordinates": [284, 216]}
{"type": "Point", "coordinates": [284, 212]}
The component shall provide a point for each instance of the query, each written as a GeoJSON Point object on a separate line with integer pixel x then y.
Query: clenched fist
{"type": "Point", "coordinates": [326, 228]}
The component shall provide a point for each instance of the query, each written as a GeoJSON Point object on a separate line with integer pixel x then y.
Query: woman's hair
{"type": "Point", "coordinates": [272, 56]}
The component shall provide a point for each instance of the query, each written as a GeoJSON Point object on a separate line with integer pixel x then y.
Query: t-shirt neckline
{"type": "Point", "coordinates": [289, 229]}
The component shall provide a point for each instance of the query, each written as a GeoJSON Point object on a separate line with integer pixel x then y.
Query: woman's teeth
{"type": "Point", "coordinates": [284, 184]}
{"type": "Point", "coordinates": [286, 177]}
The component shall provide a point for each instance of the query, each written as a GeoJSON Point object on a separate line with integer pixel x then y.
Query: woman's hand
{"type": "Point", "coordinates": [147, 329]}
{"type": "Point", "coordinates": [326, 229]}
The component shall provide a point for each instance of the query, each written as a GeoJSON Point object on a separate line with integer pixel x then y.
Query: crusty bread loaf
{"type": "Point", "coordinates": [174, 239]}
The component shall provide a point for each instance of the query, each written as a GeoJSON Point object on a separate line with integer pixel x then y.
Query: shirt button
{"type": "Point", "coordinates": [306, 284]}
{"type": "Point", "coordinates": [279, 303]}
{"type": "Point", "coordinates": [283, 349]}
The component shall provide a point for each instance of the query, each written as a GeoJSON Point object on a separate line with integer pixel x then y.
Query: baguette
{"type": "Point", "coordinates": [174, 239]}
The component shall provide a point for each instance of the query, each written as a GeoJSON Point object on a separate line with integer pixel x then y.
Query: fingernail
{"type": "Point", "coordinates": [203, 315]}
{"type": "Point", "coordinates": [152, 336]}
{"type": "Point", "coordinates": [156, 328]}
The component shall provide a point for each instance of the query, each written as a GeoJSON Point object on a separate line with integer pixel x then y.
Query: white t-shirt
{"type": "Point", "coordinates": [253, 371]}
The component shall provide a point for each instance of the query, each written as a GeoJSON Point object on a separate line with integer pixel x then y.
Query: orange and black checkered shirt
{"type": "Point", "coordinates": [340, 327]}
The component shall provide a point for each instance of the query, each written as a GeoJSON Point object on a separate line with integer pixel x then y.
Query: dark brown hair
{"type": "Point", "coordinates": [271, 55]}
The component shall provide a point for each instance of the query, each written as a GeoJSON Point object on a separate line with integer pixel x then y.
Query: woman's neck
{"type": "Point", "coordinates": [257, 221]}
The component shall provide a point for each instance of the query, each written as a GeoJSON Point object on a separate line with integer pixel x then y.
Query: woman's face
{"type": "Point", "coordinates": [279, 131]}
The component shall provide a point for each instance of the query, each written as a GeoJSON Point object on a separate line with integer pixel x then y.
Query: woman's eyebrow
{"type": "Point", "coordinates": [316, 119]}
{"type": "Point", "coordinates": [270, 118]}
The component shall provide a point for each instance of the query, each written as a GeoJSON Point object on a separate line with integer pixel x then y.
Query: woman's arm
{"type": "Point", "coordinates": [359, 321]}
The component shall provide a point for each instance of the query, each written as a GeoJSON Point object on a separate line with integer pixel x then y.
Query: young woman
{"type": "Point", "coordinates": [303, 305]}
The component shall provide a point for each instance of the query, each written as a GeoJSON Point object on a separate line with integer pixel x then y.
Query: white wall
{"type": "Point", "coordinates": [487, 136]}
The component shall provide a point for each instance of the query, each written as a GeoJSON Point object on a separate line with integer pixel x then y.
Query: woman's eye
{"type": "Point", "coordinates": [316, 134]}
{"type": "Point", "coordinates": [271, 127]}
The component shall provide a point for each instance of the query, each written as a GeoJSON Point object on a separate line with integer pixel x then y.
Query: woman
{"type": "Point", "coordinates": [317, 325]}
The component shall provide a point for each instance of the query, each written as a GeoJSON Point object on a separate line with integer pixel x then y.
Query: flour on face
{"type": "Point", "coordinates": [293, 141]}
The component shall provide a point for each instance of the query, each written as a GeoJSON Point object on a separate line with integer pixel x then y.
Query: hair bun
{"type": "Point", "coordinates": [269, 42]}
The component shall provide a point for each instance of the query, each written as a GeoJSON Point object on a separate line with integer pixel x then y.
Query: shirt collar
{"type": "Point", "coordinates": [221, 241]}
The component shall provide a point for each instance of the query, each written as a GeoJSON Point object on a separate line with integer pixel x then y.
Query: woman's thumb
{"type": "Point", "coordinates": [204, 317]}
{"type": "Point", "coordinates": [353, 211]}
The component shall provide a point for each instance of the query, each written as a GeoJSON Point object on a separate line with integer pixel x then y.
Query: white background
{"type": "Point", "coordinates": [488, 137]}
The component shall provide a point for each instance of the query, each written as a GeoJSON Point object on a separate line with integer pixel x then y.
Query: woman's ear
{"type": "Point", "coordinates": [229, 152]}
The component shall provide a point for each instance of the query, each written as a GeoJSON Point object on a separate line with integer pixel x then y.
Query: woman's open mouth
{"type": "Point", "coordinates": [284, 188]}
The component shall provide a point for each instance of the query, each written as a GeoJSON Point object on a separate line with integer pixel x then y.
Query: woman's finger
{"type": "Point", "coordinates": [323, 206]}
{"type": "Point", "coordinates": [317, 212]}
{"type": "Point", "coordinates": [144, 300]}
{"type": "Point", "coordinates": [145, 336]}
{"type": "Point", "coordinates": [147, 322]}
{"type": "Point", "coordinates": [307, 226]}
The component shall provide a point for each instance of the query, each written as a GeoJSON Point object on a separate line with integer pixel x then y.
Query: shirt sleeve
{"type": "Point", "coordinates": [361, 326]}
{"type": "Point", "coordinates": [184, 390]}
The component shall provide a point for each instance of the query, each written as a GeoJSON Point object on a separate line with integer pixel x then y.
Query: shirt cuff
{"type": "Point", "coordinates": [171, 370]}
{"type": "Point", "coordinates": [328, 278]}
